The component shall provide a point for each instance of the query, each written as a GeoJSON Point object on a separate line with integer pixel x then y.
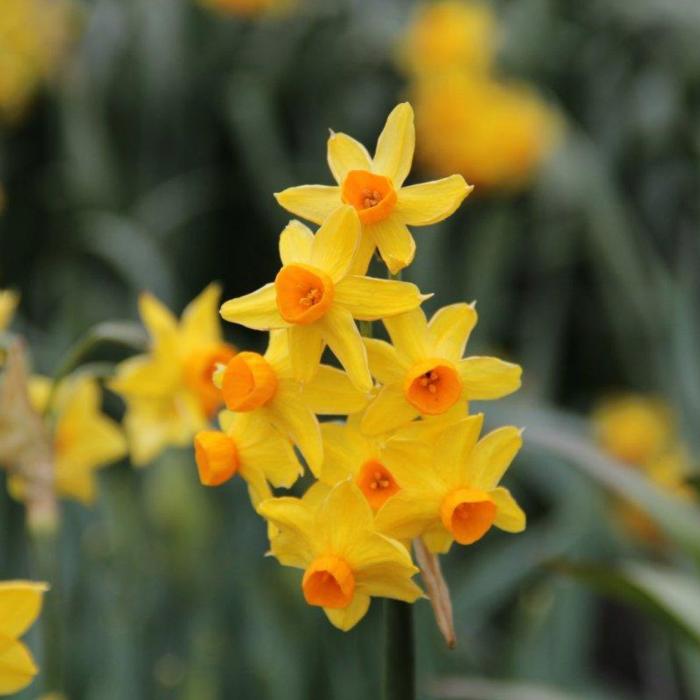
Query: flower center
{"type": "Point", "coordinates": [216, 456]}
{"type": "Point", "coordinates": [199, 369]}
{"type": "Point", "coordinates": [433, 386]}
{"type": "Point", "coordinates": [468, 514]}
{"type": "Point", "coordinates": [376, 482]}
{"type": "Point", "coordinates": [248, 382]}
{"type": "Point", "coordinates": [329, 583]}
{"type": "Point", "coordinates": [304, 293]}
{"type": "Point", "coordinates": [373, 196]}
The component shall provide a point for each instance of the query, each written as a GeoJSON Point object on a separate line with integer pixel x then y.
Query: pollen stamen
{"type": "Point", "coordinates": [312, 297]}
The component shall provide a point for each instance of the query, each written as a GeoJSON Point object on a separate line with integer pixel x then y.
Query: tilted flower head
{"type": "Point", "coordinates": [169, 392]}
{"type": "Point", "coordinates": [20, 605]}
{"type": "Point", "coordinates": [8, 305]}
{"type": "Point", "coordinates": [250, 448]}
{"type": "Point", "coordinates": [345, 560]}
{"type": "Point", "coordinates": [456, 496]}
{"type": "Point", "coordinates": [263, 386]}
{"type": "Point", "coordinates": [83, 438]}
{"type": "Point", "coordinates": [374, 187]}
{"type": "Point", "coordinates": [424, 374]}
{"type": "Point", "coordinates": [369, 462]}
{"type": "Point", "coordinates": [316, 298]}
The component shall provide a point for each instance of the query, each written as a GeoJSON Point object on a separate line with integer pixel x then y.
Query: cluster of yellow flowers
{"type": "Point", "coordinates": [20, 604]}
{"type": "Point", "coordinates": [639, 431]}
{"type": "Point", "coordinates": [468, 121]}
{"type": "Point", "coordinates": [34, 37]}
{"type": "Point", "coordinates": [408, 462]}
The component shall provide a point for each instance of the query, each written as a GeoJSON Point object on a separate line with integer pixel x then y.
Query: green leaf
{"type": "Point", "coordinates": [486, 689]}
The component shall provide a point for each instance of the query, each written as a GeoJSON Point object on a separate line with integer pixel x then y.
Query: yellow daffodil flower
{"type": "Point", "coordinates": [169, 392]}
{"type": "Point", "coordinates": [456, 496]}
{"type": "Point", "coordinates": [495, 134]}
{"type": "Point", "coordinates": [20, 605]}
{"type": "Point", "coordinates": [8, 304]}
{"type": "Point", "coordinates": [250, 448]}
{"type": "Point", "coordinates": [263, 386]}
{"type": "Point", "coordinates": [423, 372]}
{"type": "Point", "coordinates": [345, 561]}
{"type": "Point", "coordinates": [449, 34]}
{"type": "Point", "coordinates": [83, 438]}
{"type": "Point", "coordinates": [369, 462]}
{"type": "Point", "coordinates": [632, 428]}
{"type": "Point", "coordinates": [316, 298]}
{"type": "Point", "coordinates": [374, 187]}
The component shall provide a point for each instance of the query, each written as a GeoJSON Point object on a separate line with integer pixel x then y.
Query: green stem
{"type": "Point", "coordinates": [399, 670]}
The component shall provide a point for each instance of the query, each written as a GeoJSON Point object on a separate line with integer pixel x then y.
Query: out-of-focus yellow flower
{"type": "Point", "coordinates": [169, 392]}
{"type": "Point", "coordinates": [250, 8]}
{"type": "Point", "coordinates": [449, 34]}
{"type": "Point", "coordinates": [316, 297]}
{"type": "Point", "coordinates": [83, 438]}
{"type": "Point", "coordinates": [34, 38]}
{"type": "Point", "coordinates": [633, 429]}
{"type": "Point", "coordinates": [247, 447]}
{"type": "Point", "coordinates": [495, 134]}
{"type": "Point", "coordinates": [263, 387]}
{"type": "Point", "coordinates": [374, 187]}
{"type": "Point", "coordinates": [8, 304]}
{"type": "Point", "coordinates": [423, 372]}
{"type": "Point", "coordinates": [20, 605]}
{"type": "Point", "coordinates": [456, 496]}
{"type": "Point", "coordinates": [345, 561]}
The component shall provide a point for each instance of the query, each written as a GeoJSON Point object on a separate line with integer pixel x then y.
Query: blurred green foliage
{"type": "Point", "coordinates": [151, 164]}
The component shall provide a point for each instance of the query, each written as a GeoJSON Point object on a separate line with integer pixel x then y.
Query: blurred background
{"type": "Point", "coordinates": [140, 144]}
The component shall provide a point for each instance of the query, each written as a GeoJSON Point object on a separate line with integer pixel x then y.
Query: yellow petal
{"type": "Point", "coordinates": [492, 456]}
{"type": "Point", "coordinates": [369, 298]}
{"type": "Point", "coordinates": [488, 377]}
{"type": "Point", "coordinates": [258, 488]}
{"type": "Point", "coordinates": [430, 202]}
{"type": "Point", "coordinates": [388, 411]}
{"type": "Point", "coordinates": [147, 376]}
{"type": "Point", "coordinates": [345, 154]}
{"type": "Point", "coordinates": [394, 154]}
{"type": "Point", "coordinates": [17, 667]}
{"type": "Point", "coordinates": [277, 353]}
{"type": "Point", "coordinates": [409, 334]}
{"type": "Point", "coordinates": [200, 319]}
{"type": "Point", "coordinates": [384, 362]}
{"type": "Point", "coordinates": [408, 514]}
{"type": "Point", "coordinates": [20, 605]}
{"type": "Point", "coordinates": [394, 241]}
{"type": "Point", "coordinates": [293, 545]}
{"type": "Point", "coordinates": [343, 452]}
{"type": "Point", "coordinates": [450, 328]}
{"type": "Point", "coordinates": [510, 516]}
{"type": "Point", "coordinates": [311, 202]}
{"type": "Point", "coordinates": [295, 243]}
{"type": "Point", "coordinates": [257, 310]}
{"type": "Point", "coordinates": [363, 254]}
{"type": "Point", "coordinates": [292, 417]}
{"type": "Point", "coordinates": [159, 321]}
{"type": "Point", "coordinates": [8, 304]}
{"type": "Point", "coordinates": [454, 447]}
{"type": "Point", "coordinates": [331, 393]}
{"type": "Point", "coordinates": [335, 243]}
{"type": "Point", "coordinates": [437, 539]}
{"type": "Point", "coordinates": [305, 348]}
{"type": "Point", "coordinates": [346, 618]}
{"type": "Point", "coordinates": [262, 447]}
{"type": "Point", "coordinates": [343, 338]}
{"type": "Point", "coordinates": [343, 514]}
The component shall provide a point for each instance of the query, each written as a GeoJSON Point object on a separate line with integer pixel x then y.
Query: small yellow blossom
{"type": "Point", "coordinates": [34, 38]}
{"type": "Point", "coordinates": [317, 298]}
{"type": "Point", "coordinates": [633, 429]}
{"type": "Point", "coordinates": [374, 187]}
{"type": "Point", "coordinates": [456, 496]}
{"type": "Point", "coordinates": [169, 392]}
{"type": "Point", "coordinates": [8, 304]}
{"type": "Point", "coordinates": [448, 34]}
{"type": "Point", "coordinates": [345, 560]}
{"type": "Point", "coordinates": [264, 387]}
{"type": "Point", "coordinates": [20, 605]}
{"type": "Point", "coordinates": [424, 374]}
{"type": "Point", "coordinates": [83, 438]}
{"type": "Point", "coordinates": [247, 447]}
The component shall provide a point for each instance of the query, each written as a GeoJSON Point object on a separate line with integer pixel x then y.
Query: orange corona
{"type": "Point", "coordinates": [433, 386]}
{"type": "Point", "coordinates": [329, 583]}
{"type": "Point", "coordinates": [304, 293]}
{"type": "Point", "coordinates": [373, 196]}
{"type": "Point", "coordinates": [377, 483]}
{"type": "Point", "coordinates": [216, 456]}
{"type": "Point", "coordinates": [199, 369]}
{"type": "Point", "coordinates": [248, 382]}
{"type": "Point", "coordinates": [468, 514]}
